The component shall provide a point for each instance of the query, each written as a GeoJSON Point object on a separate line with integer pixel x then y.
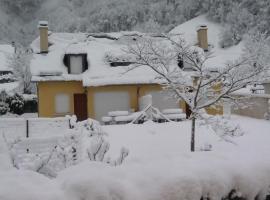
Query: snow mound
{"type": "Point", "coordinates": [164, 181]}
{"type": "Point", "coordinates": [27, 185]}
{"type": "Point", "coordinates": [5, 162]}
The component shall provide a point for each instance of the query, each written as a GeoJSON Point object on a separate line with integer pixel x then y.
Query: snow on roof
{"type": "Point", "coordinates": [5, 51]}
{"type": "Point", "coordinates": [98, 45]}
{"type": "Point", "coordinates": [220, 56]}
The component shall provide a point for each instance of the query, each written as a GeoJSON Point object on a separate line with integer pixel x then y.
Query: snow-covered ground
{"type": "Point", "coordinates": [159, 166]}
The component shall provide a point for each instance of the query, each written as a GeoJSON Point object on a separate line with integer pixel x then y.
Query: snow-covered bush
{"type": "Point", "coordinates": [224, 128]}
{"type": "Point", "coordinates": [90, 142]}
{"type": "Point", "coordinates": [3, 108]}
{"type": "Point", "coordinates": [7, 78]}
{"type": "Point", "coordinates": [83, 141]}
{"type": "Point", "coordinates": [16, 103]}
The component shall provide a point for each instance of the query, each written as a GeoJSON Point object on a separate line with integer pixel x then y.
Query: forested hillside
{"type": "Point", "coordinates": [19, 18]}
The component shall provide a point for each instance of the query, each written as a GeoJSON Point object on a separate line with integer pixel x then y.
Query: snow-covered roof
{"type": "Point", "coordinates": [99, 71]}
{"type": "Point", "coordinates": [5, 51]}
{"type": "Point", "coordinates": [220, 55]}
{"type": "Point", "coordinates": [97, 46]}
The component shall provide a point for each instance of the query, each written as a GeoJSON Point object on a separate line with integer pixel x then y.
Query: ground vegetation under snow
{"type": "Point", "coordinates": [159, 166]}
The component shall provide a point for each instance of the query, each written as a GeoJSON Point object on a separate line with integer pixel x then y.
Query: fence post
{"type": "Point", "coordinates": [27, 128]}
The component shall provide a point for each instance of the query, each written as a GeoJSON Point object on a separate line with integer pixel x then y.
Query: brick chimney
{"type": "Point", "coordinates": [202, 37]}
{"type": "Point", "coordinates": [43, 33]}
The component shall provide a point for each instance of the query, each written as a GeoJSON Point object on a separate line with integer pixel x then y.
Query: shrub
{"type": "Point", "coordinates": [15, 103]}
{"type": "Point", "coordinates": [3, 108]}
{"type": "Point", "coordinates": [3, 95]}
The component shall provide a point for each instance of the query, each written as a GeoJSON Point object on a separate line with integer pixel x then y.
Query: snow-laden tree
{"type": "Point", "coordinates": [19, 62]}
{"type": "Point", "coordinates": [201, 87]}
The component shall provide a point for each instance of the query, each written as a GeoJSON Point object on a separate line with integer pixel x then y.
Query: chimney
{"type": "Point", "coordinates": [202, 37]}
{"type": "Point", "coordinates": [43, 33]}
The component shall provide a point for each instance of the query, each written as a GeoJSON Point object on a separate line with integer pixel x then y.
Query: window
{"type": "Point", "coordinates": [62, 103]}
{"type": "Point", "coordinates": [116, 64]}
{"type": "Point", "coordinates": [76, 63]}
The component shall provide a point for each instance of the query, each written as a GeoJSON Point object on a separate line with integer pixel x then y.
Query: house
{"type": "Point", "coordinates": [86, 74]}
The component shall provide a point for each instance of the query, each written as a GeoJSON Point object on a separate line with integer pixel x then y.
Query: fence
{"type": "Point", "coordinates": [38, 136]}
{"type": "Point", "coordinates": [33, 127]}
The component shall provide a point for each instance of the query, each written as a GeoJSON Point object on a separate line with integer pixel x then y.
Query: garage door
{"type": "Point", "coordinates": [105, 102]}
{"type": "Point", "coordinates": [162, 100]}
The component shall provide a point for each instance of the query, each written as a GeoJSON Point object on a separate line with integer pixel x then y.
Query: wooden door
{"type": "Point", "coordinates": [80, 106]}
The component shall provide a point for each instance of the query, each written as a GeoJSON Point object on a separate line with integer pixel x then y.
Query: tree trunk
{"type": "Point", "coordinates": [192, 143]}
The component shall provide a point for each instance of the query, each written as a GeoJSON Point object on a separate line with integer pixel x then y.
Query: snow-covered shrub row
{"type": "Point", "coordinates": [7, 78]}
{"type": "Point", "coordinates": [17, 103]}
{"type": "Point", "coordinates": [163, 181]}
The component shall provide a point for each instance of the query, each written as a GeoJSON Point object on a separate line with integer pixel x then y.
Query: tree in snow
{"type": "Point", "coordinates": [202, 87]}
{"type": "Point", "coordinates": [20, 63]}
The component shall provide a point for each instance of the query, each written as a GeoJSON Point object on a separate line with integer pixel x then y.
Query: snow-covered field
{"type": "Point", "coordinates": [159, 166]}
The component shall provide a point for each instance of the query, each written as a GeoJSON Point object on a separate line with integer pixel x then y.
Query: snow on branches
{"type": "Point", "coordinates": [198, 82]}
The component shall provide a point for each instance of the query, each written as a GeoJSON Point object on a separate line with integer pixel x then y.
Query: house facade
{"type": "Point", "coordinates": [86, 75]}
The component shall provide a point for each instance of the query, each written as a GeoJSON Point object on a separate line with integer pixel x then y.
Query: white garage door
{"type": "Point", "coordinates": [162, 100]}
{"type": "Point", "coordinates": [110, 101]}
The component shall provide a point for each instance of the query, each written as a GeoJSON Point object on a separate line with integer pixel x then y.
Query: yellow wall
{"type": "Point", "coordinates": [48, 90]}
{"type": "Point", "coordinates": [135, 92]}
{"type": "Point", "coordinates": [131, 89]}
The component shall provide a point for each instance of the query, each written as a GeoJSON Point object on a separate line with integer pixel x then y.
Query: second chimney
{"type": "Point", "coordinates": [43, 33]}
{"type": "Point", "coordinates": [202, 37]}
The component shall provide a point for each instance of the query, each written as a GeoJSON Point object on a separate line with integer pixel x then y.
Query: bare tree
{"type": "Point", "coordinates": [200, 87]}
{"type": "Point", "coordinates": [20, 63]}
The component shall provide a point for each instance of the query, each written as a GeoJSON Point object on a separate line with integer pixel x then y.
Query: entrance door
{"type": "Point", "coordinates": [80, 106]}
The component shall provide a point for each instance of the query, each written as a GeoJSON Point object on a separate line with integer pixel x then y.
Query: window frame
{"type": "Point", "coordinates": [84, 61]}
